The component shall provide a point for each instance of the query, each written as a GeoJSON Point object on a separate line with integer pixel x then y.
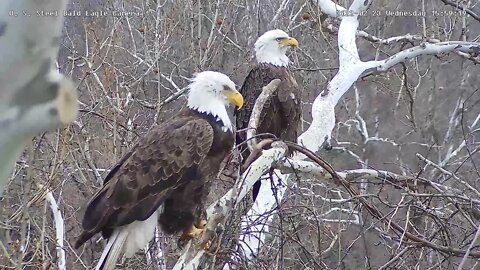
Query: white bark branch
{"type": "Point", "coordinates": [323, 114]}
{"type": "Point", "coordinates": [330, 8]}
{"type": "Point", "coordinates": [59, 230]}
{"type": "Point", "coordinates": [308, 169]}
{"type": "Point", "coordinates": [252, 237]}
{"type": "Point", "coordinates": [218, 211]}
{"type": "Point", "coordinates": [255, 224]}
{"type": "Point", "coordinates": [323, 111]}
{"type": "Point", "coordinates": [34, 97]}
{"type": "Point", "coordinates": [426, 49]}
{"type": "Point", "coordinates": [154, 252]}
{"type": "Point", "coordinates": [59, 227]}
{"type": "Point", "coordinates": [351, 68]}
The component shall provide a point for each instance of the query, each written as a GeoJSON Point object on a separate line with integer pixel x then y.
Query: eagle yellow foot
{"type": "Point", "coordinates": [200, 224]}
{"type": "Point", "coordinates": [194, 231]}
{"type": "Point", "coordinates": [205, 246]}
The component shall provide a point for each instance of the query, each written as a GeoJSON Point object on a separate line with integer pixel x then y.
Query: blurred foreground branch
{"type": "Point", "coordinates": [34, 97]}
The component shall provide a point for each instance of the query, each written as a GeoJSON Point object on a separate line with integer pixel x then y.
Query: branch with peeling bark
{"type": "Point", "coordinates": [59, 226]}
{"type": "Point", "coordinates": [351, 68]}
{"type": "Point", "coordinates": [192, 257]}
{"type": "Point", "coordinates": [341, 181]}
{"type": "Point", "coordinates": [34, 97]}
{"type": "Point", "coordinates": [376, 213]}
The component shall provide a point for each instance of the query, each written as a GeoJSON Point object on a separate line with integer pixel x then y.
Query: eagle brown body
{"type": "Point", "coordinates": [173, 166]}
{"type": "Point", "coordinates": [166, 177]}
{"type": "Point", "coordinates": [281, 113]}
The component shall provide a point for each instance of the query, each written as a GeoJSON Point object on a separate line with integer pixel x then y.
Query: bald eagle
{"type": "Point", "coordinates": [281, 114]}
{"type": "Point", "coordinates": [167, 175]}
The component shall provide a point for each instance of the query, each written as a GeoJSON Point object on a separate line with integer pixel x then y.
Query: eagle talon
{"type": "Point", "coordinates": [200, 224]}
{"type": "Point", "coordinates": [206, 246]}
{"type": "Point", "coordinates": [195, 230]}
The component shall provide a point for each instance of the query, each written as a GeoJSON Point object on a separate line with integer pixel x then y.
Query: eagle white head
{"type": "Point", "coordinates": [271, 47]}
{"type": "Point", "coordinates": [211, 92]}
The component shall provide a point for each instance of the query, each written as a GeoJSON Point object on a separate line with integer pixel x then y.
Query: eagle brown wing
{"type": "Point", "coordinates": [289, 96]}
{"type": "Point", "coordinates": [280, 115]}
{"type": "Point", "coordinates": [249, 93]}
{"type": "Point", "coordinates": [167, 157]}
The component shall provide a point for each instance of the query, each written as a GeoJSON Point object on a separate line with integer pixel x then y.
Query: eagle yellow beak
{"type": "Point", "coordinates": [234, 97]}
{"type": "Point", "coordinates": [292, 42]}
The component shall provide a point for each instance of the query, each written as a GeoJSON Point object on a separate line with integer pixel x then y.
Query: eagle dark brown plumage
{"type": "Point", "coordinates": [162, 168]}
{"type": "Point", "coordinates": [167, 175]}
{"type": "Point", "coordinates": [281, 113]}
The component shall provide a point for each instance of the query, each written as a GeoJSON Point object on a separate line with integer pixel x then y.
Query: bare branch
{"type": "Point", "coordinates": [59, 227]}
{"type": "Point", "coordinates": [216, 213]}
{"type": "Point", "coordinates": [462, 7]}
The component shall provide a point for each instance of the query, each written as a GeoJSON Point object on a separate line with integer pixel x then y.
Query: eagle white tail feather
{"type": "Point", "coordinates": [127, 240]}
{"type": "Point", "coordinates": [112, 250]}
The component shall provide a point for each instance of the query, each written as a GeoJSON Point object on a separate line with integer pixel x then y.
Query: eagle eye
{"type": "Point", "coordinates": [279, 39]}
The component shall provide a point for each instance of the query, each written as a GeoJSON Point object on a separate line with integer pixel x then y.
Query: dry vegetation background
{"type": "Point", "coordinates": [131, 72]}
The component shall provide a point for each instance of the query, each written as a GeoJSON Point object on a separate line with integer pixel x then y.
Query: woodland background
{"type": "Point", "coordinates": [131, 72]}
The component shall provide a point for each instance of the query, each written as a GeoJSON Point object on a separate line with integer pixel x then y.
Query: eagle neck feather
{"type": "Point", "coordinates": [273, 56]}
{"type": "Point", "coordinates": [275, 60]}
{"type": "Point", "coordinates": [212, 109]}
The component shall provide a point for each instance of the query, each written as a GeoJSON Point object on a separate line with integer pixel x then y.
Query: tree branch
{"type": "Point", "coordinates": [59, 226]}
{"type": "Point", "coordinates": [351, 68]}
{"type": "Point", "coordinates": [192, 257]}
{"type": "Point", "coordinates": [462, 7]}
{"type": "Point", "coordinates": [34, 97]}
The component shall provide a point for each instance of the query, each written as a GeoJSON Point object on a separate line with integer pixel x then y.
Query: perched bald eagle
{"type": "Point", "coordinates": [281, 114]}
{"type": "Point", "coordinates": [167, 175]}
